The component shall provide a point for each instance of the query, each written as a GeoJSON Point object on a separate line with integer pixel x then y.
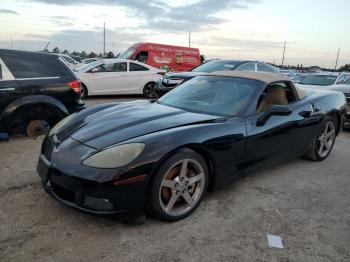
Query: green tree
{"type": "Point", "coordinates": [83, 54]}
{"type": "Point", "coordinates": [202, 58]}
{"type": "Point", "coordinates": [56, 50]}
{"type": "Point", "coordinates": [344, 68]}
{"type": "Point", "coordinates": [92, 55]}
{"type": "Point", "coordinates": [110, 55]}
{"type": "Point", "coordinates": [65, 51]}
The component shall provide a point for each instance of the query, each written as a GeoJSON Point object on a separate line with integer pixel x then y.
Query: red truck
{"type": "Point", "coordinates": [167, 57]}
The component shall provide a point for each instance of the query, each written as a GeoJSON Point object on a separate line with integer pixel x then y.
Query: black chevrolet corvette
{"type": "Point", "coordinates": [162, 156]}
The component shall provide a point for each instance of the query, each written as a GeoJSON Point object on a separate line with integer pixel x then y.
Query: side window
{"type": "Point", "coordinates": [341, 80]}
{"type": "Point", "coordinates": [137, 67]}
{"type": "Point", "coordinates": [265, 68]}
{"type": "Point", "coordinates": [246, 67]}
{"type": "Point", "coordinates": [120, 67]}
{"type": "Point", "coordinates": [142, 57]}
{"type": "Point", "coordinates": [34, 66]}
{"type": "Point", "coordinates": [275, 94]}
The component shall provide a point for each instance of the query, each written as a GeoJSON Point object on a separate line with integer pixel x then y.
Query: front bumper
{"type": "Point", "coordinates": [92, 197]}
{"type": "Point", "coordinates": [161, 90]}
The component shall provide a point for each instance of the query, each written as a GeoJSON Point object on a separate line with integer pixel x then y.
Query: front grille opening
{"type": "Point", "coordinates": [63, 193]}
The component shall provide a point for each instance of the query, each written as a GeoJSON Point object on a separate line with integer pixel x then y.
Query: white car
{"type": "Point", "coordinates": [118, 76]}
{"type": "Point", "coordinates": [324, 80]}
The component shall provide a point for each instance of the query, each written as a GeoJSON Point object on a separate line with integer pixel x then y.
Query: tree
{"type": "Point", "coordinates": [344, 68]}
{"type": "Point", "coordinates": [65, 51]}
{"type": "Point", "coordinates": [56, 50]}
{"type": "Point", "coordinates": [92, 55]}
{"type": "Point", "coordinates": [83, 54]}
{"type": "Point", "coordinates": [110, 55]}
{"type": "Point", "coordinates": [202, 58]}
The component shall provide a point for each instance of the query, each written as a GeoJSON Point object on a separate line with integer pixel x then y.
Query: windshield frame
{"type": "Point", "coordinates": [128, 52]}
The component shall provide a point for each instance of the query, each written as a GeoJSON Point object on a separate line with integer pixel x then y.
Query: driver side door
{"type": "Point", "coordinates": [281, 136]}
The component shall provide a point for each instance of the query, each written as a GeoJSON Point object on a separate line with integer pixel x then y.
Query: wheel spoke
{"type": "Point", "coordinates": [183, 171]}
{"type": "Point", "coordinates": [195, 179]}
{"type": "Point", "coordinates": [188, 198]}
{"type": "Point", "coordinates": [169, 183]}
{"type": "Point", "coordinates": [320, 151]}
{"type": "Point", "coordinates": [328, 145]}
{"type": "Point", "coordinates": [171, 203]}
{"type": "Point", "coordinates": [330, 133]}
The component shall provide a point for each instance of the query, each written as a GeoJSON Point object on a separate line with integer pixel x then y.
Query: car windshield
{"type": "Point", "coordinates": [87, 66]}
{"type": "Point", "coordinates": [126, 54]}
{"type": "Point", "coordinates": [215, 95]}
{"type": "Point", "coordinates": [347, 82]}
{"type": "Point", "coordinates": [318, 80]}
{"type": "Point", "coordinates": [217, 65]}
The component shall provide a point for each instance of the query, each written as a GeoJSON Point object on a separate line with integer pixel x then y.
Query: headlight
{"type": "Point", "coordinates": [116, 156]}
{"type": "Point", "coordinates": [60, 124]}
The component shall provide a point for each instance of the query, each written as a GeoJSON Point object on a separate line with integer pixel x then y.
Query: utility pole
{"type": "Point", "coordinates": [336, 63]}
{"type": "Point", "coordinates": [189, 39]}
{"type": "Point", "coordinates": [284, 51]}
{"type": "Point", "coordinates": [11, 41]}
{"type": "Point", "coordinates": [104, 39]}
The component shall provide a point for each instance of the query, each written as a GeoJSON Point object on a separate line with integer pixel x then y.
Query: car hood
{"type": "Point", "coordinates": [184, 75]}
{"type": "Point", "coordinates": [125, 121]}
{"type": "Point", "coordinates": [315, 86]}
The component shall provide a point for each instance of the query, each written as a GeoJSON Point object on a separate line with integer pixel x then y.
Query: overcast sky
{"type": "Point", "coordinates": [237, 29]}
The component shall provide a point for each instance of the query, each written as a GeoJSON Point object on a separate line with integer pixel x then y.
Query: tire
{"type": "Point", "coordinates": [84, 92]}
{"type": "Point", "coordinates": [324, 139]}
{"type": "Point", "coordinates": [149, 91]}
{"type": "Point", "coordinates": [174, 194]}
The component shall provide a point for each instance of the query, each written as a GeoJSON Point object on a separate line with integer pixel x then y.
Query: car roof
{"type": "Point", "coordinates": [265, 77]}
{"type": "Point", "coordinates": [21, 52]}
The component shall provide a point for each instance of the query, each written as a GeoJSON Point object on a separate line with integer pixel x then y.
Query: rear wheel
{"type": "Point", "coordinates": [83, 91]}
{"type": "Point", "coordinates": [149, 90]}
{"type": "Point", "coordinates": [179, 186]}
{"type": "Point", "coordinates": [34, 121]}
{"type": "Point", "coordinates": [324, 140]}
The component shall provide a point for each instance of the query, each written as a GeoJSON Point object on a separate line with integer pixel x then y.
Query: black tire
{"type": "Point", "coordinates": [149, 91]}
{"type": "Point", "coordinates": [84, 92]}
{"type": "Point", "coordinates": [314, 153]}
{"type": "Point", "coordinates": [165, 168]}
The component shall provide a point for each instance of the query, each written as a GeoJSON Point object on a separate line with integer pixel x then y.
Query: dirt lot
{"type": "Point", "coordinates": [306, 203]}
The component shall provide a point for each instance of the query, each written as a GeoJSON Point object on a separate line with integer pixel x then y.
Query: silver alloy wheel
{"type": "Point", "coordinates": [182, 187]}
{"type": "Point", "coordinates": [326, 139]}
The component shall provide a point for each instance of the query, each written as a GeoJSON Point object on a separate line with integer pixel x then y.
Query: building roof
{"type": "Point", "coordinates": [265, 77]}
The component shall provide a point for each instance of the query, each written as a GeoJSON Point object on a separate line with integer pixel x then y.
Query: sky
{"type": "Point", "coordinates": [233, 29]}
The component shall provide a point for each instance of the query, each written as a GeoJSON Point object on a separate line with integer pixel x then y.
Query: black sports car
{"type": "Point", "coordinates": [163, 156]}
{"type": "Point", "coordinates": [172, 80]}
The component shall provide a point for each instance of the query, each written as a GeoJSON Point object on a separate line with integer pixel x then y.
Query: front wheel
{"type": "Point", "coordinates": [179, 186]}
{"type": "Point", "coordinates": [149, 91]}
{"type": "Point", "coordinates": [324, 140]}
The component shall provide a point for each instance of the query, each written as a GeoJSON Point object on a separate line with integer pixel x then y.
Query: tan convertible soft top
{"type": "Point", "coordinates": [265, 77]}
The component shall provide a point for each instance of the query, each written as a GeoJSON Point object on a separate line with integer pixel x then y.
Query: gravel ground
{"type": "Point", "coordinates": [304, 202]}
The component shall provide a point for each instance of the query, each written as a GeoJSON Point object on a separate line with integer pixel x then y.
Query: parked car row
{"type": "Point", "coordinates": [172, 80]}
{"type": "Point", "coordinates": [329, 81]}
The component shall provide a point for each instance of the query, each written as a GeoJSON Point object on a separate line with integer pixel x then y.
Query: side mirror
{"type": "Point", "coordinates": [275, 110]}
{"type": "Point", "coordinates": [94, 70]}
